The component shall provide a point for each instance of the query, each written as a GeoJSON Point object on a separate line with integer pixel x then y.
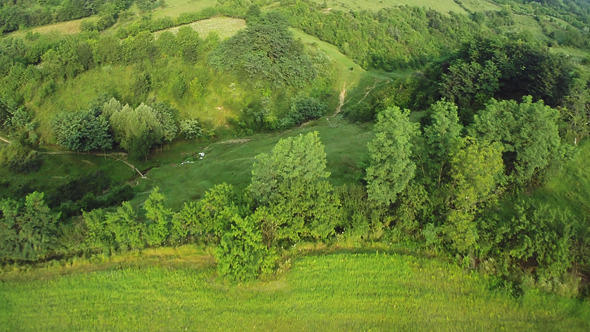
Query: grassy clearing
{"type": "Point", "coordinates": [175, 8]}
{"type": "Point", "coordinates": [443, 6]}
{"type": "Point", "coordinates": [58, 168]}
{"type": "Point", "coordinates": [68, 28]}
{"type": "Point", "coordinates": [231, 161]}
{"type": "Point", "coordinates": [341, 291]}
{"type": "Point", "coordinates": [225, 27]}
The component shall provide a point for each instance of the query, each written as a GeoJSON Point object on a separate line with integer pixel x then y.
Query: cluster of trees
{"type": "Point", "coordinates": [136, 130]}
{"type": "Point", "coordinates": [389, 39]}
{"type": "Point", "coordinates": [265, 52]}
{"type": "Point", "coordinates": [447, 184]}
{"type": "Point", "coordinates": [20, 14]}
{"type": "Point", "coordinates": [486, 68]}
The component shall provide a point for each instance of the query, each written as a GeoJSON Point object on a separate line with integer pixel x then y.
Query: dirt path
{"type": "Point", "coordinates": [341, 99]}
{"type": "Point", "coordinates": [110, 155]}
{"type": "Point", "coordinates": [119, 156]}
{"type": "Point", "coordinates": [367, 91]}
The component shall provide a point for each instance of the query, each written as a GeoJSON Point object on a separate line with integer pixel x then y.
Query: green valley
{"type": "Point", "coordinates": [294, 165]}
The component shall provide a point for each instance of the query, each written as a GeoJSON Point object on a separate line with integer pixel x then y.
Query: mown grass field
{"type": "Point", "coordinates": [175, 8]}
{"type": "Point", "coordinates": [231, 161]}
{"type": "Point", "coordinates": [369, 290]}
{"type": "Point", "coordinates": [225, 27]}
{"type": "Point", "coordinates": [444, 6]}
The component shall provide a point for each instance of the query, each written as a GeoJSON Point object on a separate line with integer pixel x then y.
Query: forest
{"type": "Point", "coordinates": [238, 133]}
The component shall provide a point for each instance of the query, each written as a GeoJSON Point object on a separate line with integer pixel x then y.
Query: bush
{"type": "Point", "coordinates": [304, 109]}
{"type": "Point", "coordinates": [241, 254]}
{"type": "Point", "coordinates": [191, 128]}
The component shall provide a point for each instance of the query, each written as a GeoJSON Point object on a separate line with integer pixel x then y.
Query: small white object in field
{"type": "Point", "coordinates": [202, 154]}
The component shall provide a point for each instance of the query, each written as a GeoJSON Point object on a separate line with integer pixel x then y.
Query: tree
{"type": "Point", "coordinates": [528, 132]}
{"type": "Point", "coordinates": [158, 219]}
{"type": "Point", "coordinates": [576, 112]}
{"type": "Point", "coordinates": [191, 128]}
{"type": "Point", "coordinates": [304, 109]}
{"type": "Point", "coordinates": [82, 131]}
{"type": "Point", "coordinates": [241, 254]}
{"type": "Point", "coordinates": [442, 139]}
{"type": "Point", "coordinates": [391, 165]}
{"type": "Point", "coordinates": [28, 231]}
{"type": "Point", "coordinates": [137, 129]}
{"type": "Point", "coordinates": [188, 42]}
{"type": "Point", "coordinates": [265, 52]}
{"type": "Point", "coordinates": [292, 183]}
{"type": "Point", "coordinates": [168, 118]}
{"type": "Point", "coordinates": [470, 85]}
{"type": "Point", "coordinates": [475, 171]}
{"type": "Point", "coordinates": [125, 226]}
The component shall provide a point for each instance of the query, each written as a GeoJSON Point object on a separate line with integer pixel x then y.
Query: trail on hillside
{"type": "Point", "coordinates": [341, 99]}
{"type": "Point", "coordinates": [110, 155]}
{"type": "Point", "coordinates": [119, 156]}
{"type": "Point", "coordinates": [367, 91]}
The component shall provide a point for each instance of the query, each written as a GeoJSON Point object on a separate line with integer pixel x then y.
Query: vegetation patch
{"type": "Point", "coordinates": [334, 292]}
{"type": "Point", "coordinates": [224, 27]}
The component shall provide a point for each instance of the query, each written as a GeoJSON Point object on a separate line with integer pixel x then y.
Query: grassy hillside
{"type": "Point", "coordinates": [444, 6]}
{"type": "Point", "coordinates": [224, 27]}
{"type": "Point", "coordinates": [175, 8]}
{"type": "Point", "coordinates": [341, 291]}
{"type": "Point", "coordinates": [231, 161]}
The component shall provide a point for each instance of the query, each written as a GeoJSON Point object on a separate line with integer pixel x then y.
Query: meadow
{"type": "Point", "coordinates": [224, 27]}
{"type": "Point", "coordinates": [443, 6]}
{"type": "Point", "coordinates": [368, 290]}
{"type": "Point", "coordinates": [231, 160]}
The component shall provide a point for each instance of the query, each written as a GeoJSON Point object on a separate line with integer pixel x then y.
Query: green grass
{"type": "Point", "coordinates": [443, 6]}
{"type": "Point", "coordinates": [348, 73]}
{"type": "Point", "coordinates": [231, 161]}
{"type": "Point", "coordinates": [57, 169]}
{"type": "Point", "coordinates": [321, 292]}
{"type": "Point", "coordinates": [175, 8]}
{"type": "Point", "coordinates": [225, 27]}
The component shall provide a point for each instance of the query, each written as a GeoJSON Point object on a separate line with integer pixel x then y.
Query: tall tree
{"type": "Point", "coordinates": [391, 165]}
{"type": "Point", "coordinates": [292, 182]}
{"type": "Point", "coordinates": [442, 139]}
{"type": "Point", "coordinates": [158, 218]}
{"type": "Point", "coordinates": [27, 231]}
{"type": "Point", "coordinates": [82, 131]}
{"type": "Point", "coordinates": [475, 170]}
{"type": "Point", "coordinates": [528, 132]}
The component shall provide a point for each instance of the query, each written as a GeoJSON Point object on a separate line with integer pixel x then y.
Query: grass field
{"type": "Point", "coordinates": [175, 8]}
{"type": "Point", "coordinates": [369, 290]}
{"type": "Point", "coordinates": [58, 168]}
{"type": "Point", "coordinates": [348, 73]}
{"type": "Point", "coordinates": [444, 6]}
{"type": "Point", "coordinates": [231, 161]}
{"type": "Point", "coordinates": [224, 27]}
